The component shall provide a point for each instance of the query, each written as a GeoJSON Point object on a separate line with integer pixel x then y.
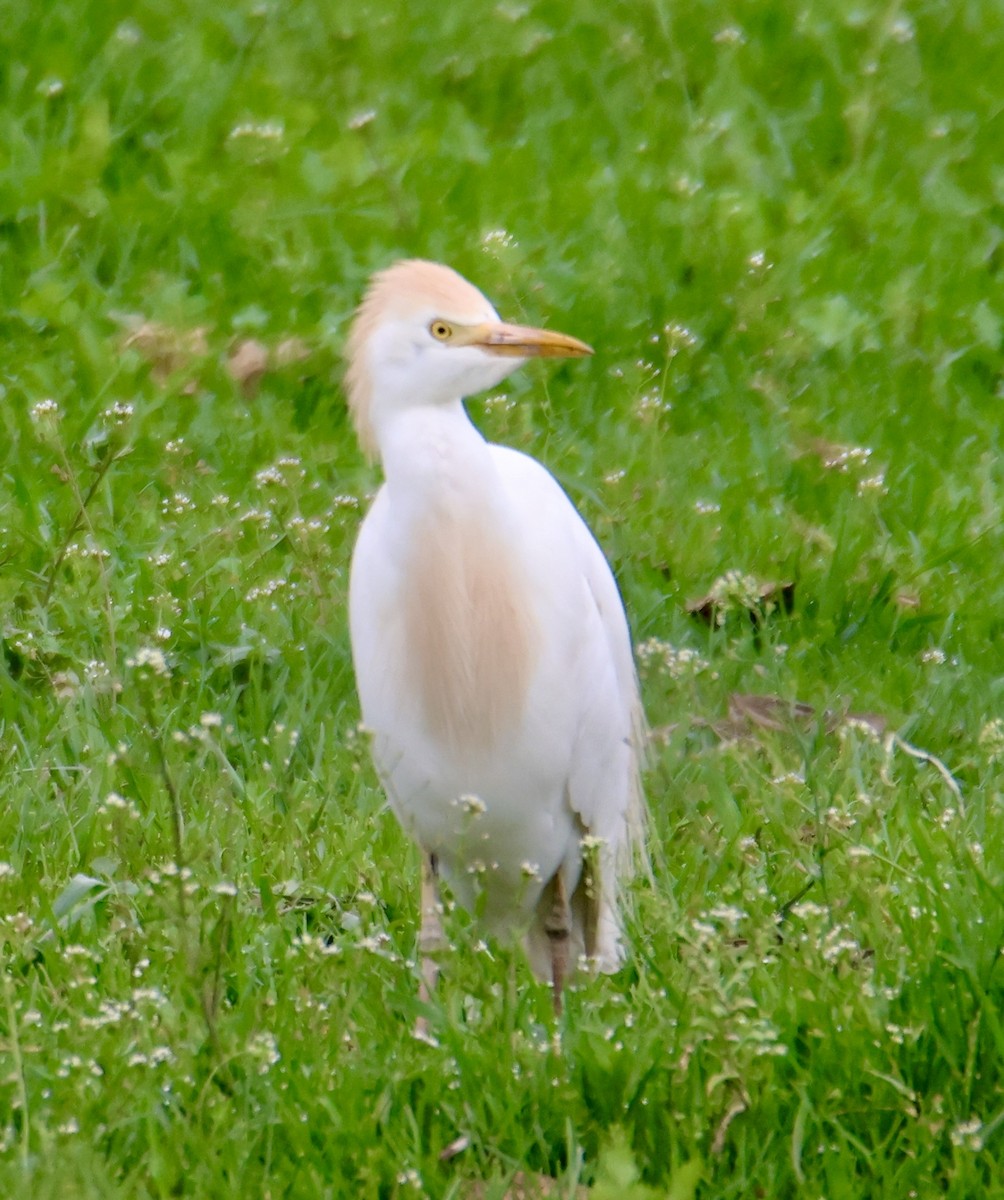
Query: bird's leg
{"type": "Point", "coordinates": [431, 938]}
{"type": "Point", "coordinates": [558, 927]}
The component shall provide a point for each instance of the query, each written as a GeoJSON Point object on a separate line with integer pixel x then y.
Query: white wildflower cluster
{"type": "Point", "coordinates": [98, 673]}
{"type": "Point", "coordinates": [901, 1034]}
{"type": "Point", "coordinates": [265, 1049]}
{"type": "Point", "coordinates": [178, 504]}
{"type": "Point", "coordinates": [498, 239]}
{"type": "Point", "coordinates": [844, 458]}
{"type": "Point", "coordinates": [46, 411]}
{"type": "Point", "coordinates": [678, 337]}
{"type": "Point", "coordinates": [678, 663]}
{"type": "Point", "coordinates": [268, 131]}
{"type": "Point", "coordinates": [758, 1033]}
{"type": "Point", "coordinates": [729, 915]}
{"type": "Point", "coordinates": [808, 911]}
{"type": "Point", "coordinates": [257, 516]}
{"type": "Point", "coordinates": [175, 446]}
{"type": "Point", "coordinates": [88, 549]}
{"type": "Point", "coordinates": [149, 657]}
{"type": "Point", "coordinates": [304, 527]}
{"type": "Point", "coordinates": [73, 1062]}
{"type": "Point", "coordinates": [499, 400]}
{"type": "Point", "coordinates": [269, 588]}
{"type": "Point", "coordinates": [934, 656]}
{"type": "Point", "coordinates": [757, 263]}
{"type": "Point", "coordinates": [704, 507]}
{"type": "Point", "coordinates": [735, 591]}
{"type": "Point", "coordinates": [118, 413]}
{"type": "Point", "coordinates": [530, 870]}
{"type": "Point", "coordinates": [377, 943]}
{"type": "Point", "coordinates": [838, 944]}
{"type": "Point", "coordinates": [114, 803]}
{"type": "Point", "coordinates": [730, 35]}
{"type": "Point", "coordinates": [968, 1134]}
{"type": "Point", "coordinates": [652, 401]}
{"type": "Point", "coordinates": [854, 726]}
{"type": "Point", "coordinates": [873, 483]}
{"type": "Point", "coordinates": [170, 871]}
{"type": "Point", "coordinates": [472, 805]}
{"type": "Point", "coordinates": [838, 819]}
{"type": "Point", "coordinates": [309, 945]}
{"type": "Point", "coordinates": [153, 1058]}
{"type": "Point", "coordinates": [135, 1008]}
{"type": "Point", "coordinates": [991, 740]}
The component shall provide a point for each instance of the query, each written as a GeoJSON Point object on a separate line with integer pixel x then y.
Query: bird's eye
{"type": "Point", "coordinates": [441, 331]}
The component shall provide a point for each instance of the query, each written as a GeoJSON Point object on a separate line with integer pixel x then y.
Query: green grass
{"type": "Point", "coordinates": [781, 226]}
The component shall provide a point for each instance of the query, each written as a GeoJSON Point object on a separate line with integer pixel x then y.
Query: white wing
{"type": "Point", "coordinates": [603, 785]}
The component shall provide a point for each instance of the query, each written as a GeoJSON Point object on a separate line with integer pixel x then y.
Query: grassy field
{"type": "Point", "coordinates": [782, 226]}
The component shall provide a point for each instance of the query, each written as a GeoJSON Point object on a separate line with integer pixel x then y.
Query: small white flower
{"type": "Point", "coordinates": [991, 739]}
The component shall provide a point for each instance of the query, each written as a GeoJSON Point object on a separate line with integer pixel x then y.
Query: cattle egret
{"type": "Point", "coordinates": [491, 649]}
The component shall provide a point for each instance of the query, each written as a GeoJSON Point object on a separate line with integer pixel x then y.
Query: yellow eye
{"type": "Point", "coordinates": [441, 331]}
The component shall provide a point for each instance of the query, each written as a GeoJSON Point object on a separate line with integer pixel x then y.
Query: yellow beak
{"type": "Point", "coordinates": [522, 341]}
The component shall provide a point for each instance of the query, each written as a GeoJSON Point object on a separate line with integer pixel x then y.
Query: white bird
{"type": "Point", "coordinates": [491, 649]}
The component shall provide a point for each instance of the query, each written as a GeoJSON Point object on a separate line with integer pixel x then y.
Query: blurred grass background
{"type": "Point", "coordinates": [781, 227]}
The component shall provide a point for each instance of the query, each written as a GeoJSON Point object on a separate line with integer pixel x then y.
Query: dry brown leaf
{"type": "Point", "coordinates": [738, 1105]}
{"type": "Point", "coordinates": [749, 712]}
{"type": "Point", "coordinates": [247, 362]}
{"type": "Point", "coordinates": [167, 349]}
{"type": "Point", "coordinates": [291, 350]}
{"type": "Point", "coordinates": [769, 712]}
{"type": "Point", "coordinates": [527, 1187]}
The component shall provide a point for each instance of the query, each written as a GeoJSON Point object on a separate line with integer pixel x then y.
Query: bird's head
{"type": "Point", "coordinates": [423, 335]}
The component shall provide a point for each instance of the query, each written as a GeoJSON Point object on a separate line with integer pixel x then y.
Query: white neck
{"type": "Point", "coordinates": [434, 459]}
